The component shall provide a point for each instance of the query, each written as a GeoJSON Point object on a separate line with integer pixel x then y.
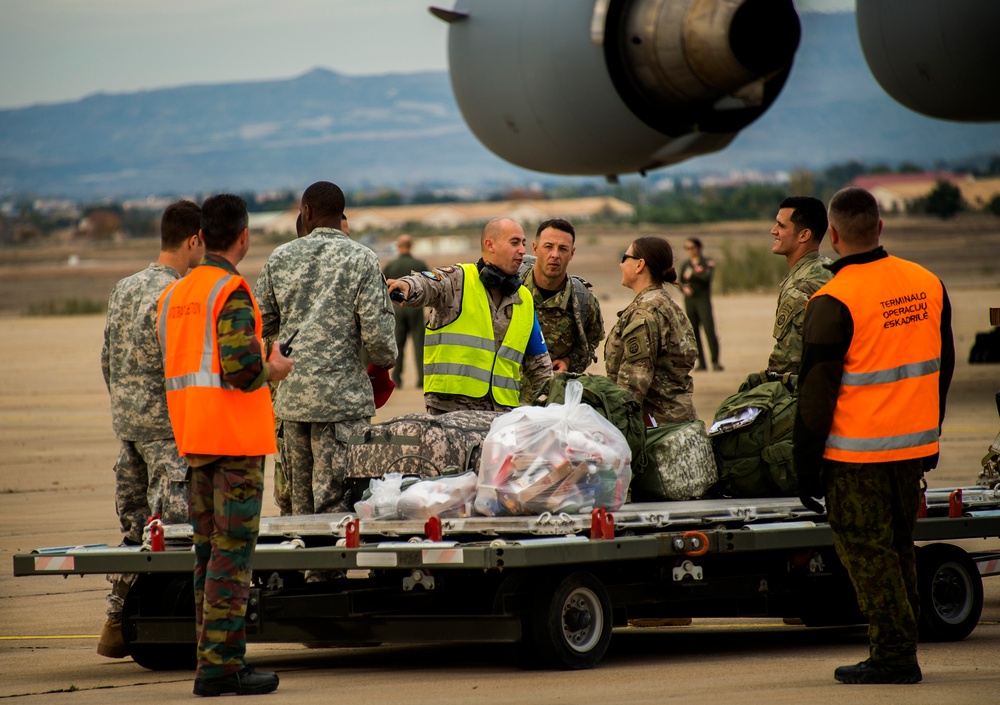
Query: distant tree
{"type": "Point", "coordinates": [994, 206]}
{"type": "Point", "coordinates": [839, 175]}
{"type": "Point", "coordinates": [910, 168]}
{"type": "Point", "coordinates": [880, 169]}
{"type": "Point", "coordinates": [802, 183]}
{"type": "Point", "coordinates": [944, 201]}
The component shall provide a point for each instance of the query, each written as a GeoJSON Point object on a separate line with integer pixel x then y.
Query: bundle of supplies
{"type": "Point", "coordinates": [398, 497]}
{"type": "Point", "coordinates": [557, 458]}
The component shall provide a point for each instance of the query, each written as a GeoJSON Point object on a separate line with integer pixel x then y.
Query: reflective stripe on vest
{"type": "Point", "coordinates": [460, 357]}
{"type": "Point", "coordinates": [208, 415]}
{"type": "Point", "coordinates": [887, 405]}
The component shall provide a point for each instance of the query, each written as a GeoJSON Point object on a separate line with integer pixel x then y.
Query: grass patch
{"type": "Point", "coordinates": [67, 307]}
{"type": "Point", "coordinates": [749, 268]}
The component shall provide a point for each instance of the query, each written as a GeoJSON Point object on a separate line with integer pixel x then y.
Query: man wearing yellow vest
{"type": "Point", "coordinates": [876, 367]}
{"type": "Point", "coordinates": [209, 328]}
{"type": "Point", "coordinates": [482, 335]}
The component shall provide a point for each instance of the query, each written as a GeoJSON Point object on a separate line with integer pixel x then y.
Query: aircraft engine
{"type": "Point", "coordinates": [937, 57]}
{"type": "Point", "coordinates": [606, 87]}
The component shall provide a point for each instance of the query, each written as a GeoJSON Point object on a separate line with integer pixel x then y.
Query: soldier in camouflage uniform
{"type": "Point", "coordinates": [569, 314]}
{"type": "Point", "coordinates": [798, 231]}
{"type": "Point", "coordinates": [651, 349]}
{"type": "Point", "coordinates": [443, 290]}
{"type": "Point", "coordinates": [226, 490]}
{"type": "Point", "coordinates": [865, 350]}
{"type": "Point", "coordinates": [150, 475]}
{"type": "Point", "coordinates": [330, 290]}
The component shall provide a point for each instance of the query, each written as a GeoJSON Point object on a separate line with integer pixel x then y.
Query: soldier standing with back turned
{"type": "Point", "coordinates": [150, 475]}
{"type": "Point", "coordinates": [876, 367]}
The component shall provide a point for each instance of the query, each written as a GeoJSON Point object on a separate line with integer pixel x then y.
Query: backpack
{"type": "Point", "coordinates": [581, 298]}
{"type": "Point", "coordinates": [680, 463]}
{"type": "Point", "coordinates": [752, 438]}
{"type": "Point", "coordinates": [612, 402]}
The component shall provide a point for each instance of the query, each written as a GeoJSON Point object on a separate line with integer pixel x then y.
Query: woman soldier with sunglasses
{"type": "Point", "coordinates": [651, 350]}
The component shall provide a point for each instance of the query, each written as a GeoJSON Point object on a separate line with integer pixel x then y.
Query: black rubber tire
{"type": "Point", "coordinates": [569, 626]}
{"type": "Point", "coordinates": [155, 595]}
{"type": "Point", "coordinates": [951, 592]}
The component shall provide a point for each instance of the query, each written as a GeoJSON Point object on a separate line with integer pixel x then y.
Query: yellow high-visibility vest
{"type": "Point", "coordinates": [461, 357]}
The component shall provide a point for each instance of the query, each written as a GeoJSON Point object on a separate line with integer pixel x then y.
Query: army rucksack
{"type": "Point", "coordinates": [612, 402]}
{"type": "Point", "coordinates": [752, 438]}
{"type": "Point", "coordinates": [421, 445]}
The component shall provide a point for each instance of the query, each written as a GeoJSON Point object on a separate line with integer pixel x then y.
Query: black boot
{"type": "Point", "coordinates": [869, 671]}
{"type": "Point", "coordinates": [245, 682]}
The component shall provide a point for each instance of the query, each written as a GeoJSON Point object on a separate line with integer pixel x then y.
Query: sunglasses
{"type": "Point", "coordinates": [626, 255]}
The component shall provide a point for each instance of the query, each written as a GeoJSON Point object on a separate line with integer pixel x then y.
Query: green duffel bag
{"type": "Point", "coordinates": [752, 437]}
{"type": "Point", "coordinates": [680, 463]}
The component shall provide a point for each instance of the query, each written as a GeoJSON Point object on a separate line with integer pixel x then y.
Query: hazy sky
{"type": "Point", "coordinates": [62, 50]}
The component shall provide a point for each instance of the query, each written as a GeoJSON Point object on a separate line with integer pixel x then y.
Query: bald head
{"type": "Point", "coordinates": [503, 244]}
{"type": "Point", "coordinates": [404, 243]}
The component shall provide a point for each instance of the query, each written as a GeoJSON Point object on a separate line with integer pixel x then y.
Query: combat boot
{"type": "Point", "coordinates": [869, 671]}
{"type": "Point", "coordinates": [112, 643]}
{"type": "Point", "coordinates": [245, 682]}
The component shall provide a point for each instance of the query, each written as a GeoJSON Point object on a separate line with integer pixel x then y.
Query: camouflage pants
{"type": "Point", "coordinates": [282, 488]}
{"type": "Point", "coordinates": [150, 478]}
{"type": "Point", "coordinates": [314, 456]}
{"type": "Point", "coordinates": [226, 498]}
{"type": "Point", "coordinates": [872, 509]}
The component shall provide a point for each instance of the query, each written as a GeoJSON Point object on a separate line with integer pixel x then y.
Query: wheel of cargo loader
{"type": "Point", "coordinates": [157, 595]}
{"type": "Point", "coordinates": [569, 626]}
{"type": "Point", "coordinates": [951, 592]}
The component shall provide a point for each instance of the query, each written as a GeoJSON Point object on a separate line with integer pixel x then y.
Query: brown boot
{"type": "Point", "coordinates": [112, 643]}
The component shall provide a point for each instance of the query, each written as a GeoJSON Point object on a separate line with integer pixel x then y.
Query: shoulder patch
{"type": "Point", "coordinates": [431, 275]}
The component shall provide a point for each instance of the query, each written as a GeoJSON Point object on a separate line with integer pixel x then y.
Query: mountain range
{"type": "Point", "coordinates": [400, 130]}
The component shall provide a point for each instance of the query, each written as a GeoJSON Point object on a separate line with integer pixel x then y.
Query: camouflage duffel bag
{"type": "Point", "coordinates": [420, 444]}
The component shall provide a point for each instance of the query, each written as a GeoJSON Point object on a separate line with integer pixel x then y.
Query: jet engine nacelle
{"type": "Point", "coordinates": [605, 87]}
{"type": "Point", "coordinates": [937, 57]}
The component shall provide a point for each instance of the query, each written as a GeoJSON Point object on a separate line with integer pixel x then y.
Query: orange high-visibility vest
{"type": "Point", "coordinates": [208, 416]}
{"type": "Point", "coordinates": [887, 406]}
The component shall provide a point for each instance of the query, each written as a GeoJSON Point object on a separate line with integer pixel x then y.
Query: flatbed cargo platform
{"type": "Point", "coordinates": [556, 583]}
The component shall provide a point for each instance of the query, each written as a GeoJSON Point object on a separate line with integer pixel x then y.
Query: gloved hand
{"type": "Point", "coordinates": [810, 492]}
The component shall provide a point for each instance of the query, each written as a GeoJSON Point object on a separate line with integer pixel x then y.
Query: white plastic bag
{"type": "Point", "coordinates": [555, 458]}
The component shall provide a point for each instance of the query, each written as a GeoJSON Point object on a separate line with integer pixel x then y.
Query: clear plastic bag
{"type": "Point", "coordinates": [555, 458]}
{"type": "Point", "coordinates": [447, 496]}
{"type": "Point", "coordinates": [381, 498]}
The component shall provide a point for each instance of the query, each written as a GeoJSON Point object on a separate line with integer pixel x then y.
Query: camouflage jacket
{"type": "Point", "coordinates": [442, 292]}
{"type": "Point", "coordinates": [651, 352]}
{"type": "Point", "coordinates": [330, 289]}
{"type": "Point", "coordinates": [567, 334]}
{"type": "Point", "coordinates": [802, 281]}
{"type": "Point", "coordinates": [131, 358]}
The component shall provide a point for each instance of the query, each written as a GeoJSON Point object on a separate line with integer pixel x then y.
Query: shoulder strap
{"type": "Point", "coordinates": [581, 309]}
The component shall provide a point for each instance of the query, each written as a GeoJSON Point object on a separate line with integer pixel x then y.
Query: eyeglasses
{"type": "Point", "coordinates": [626, 255]}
